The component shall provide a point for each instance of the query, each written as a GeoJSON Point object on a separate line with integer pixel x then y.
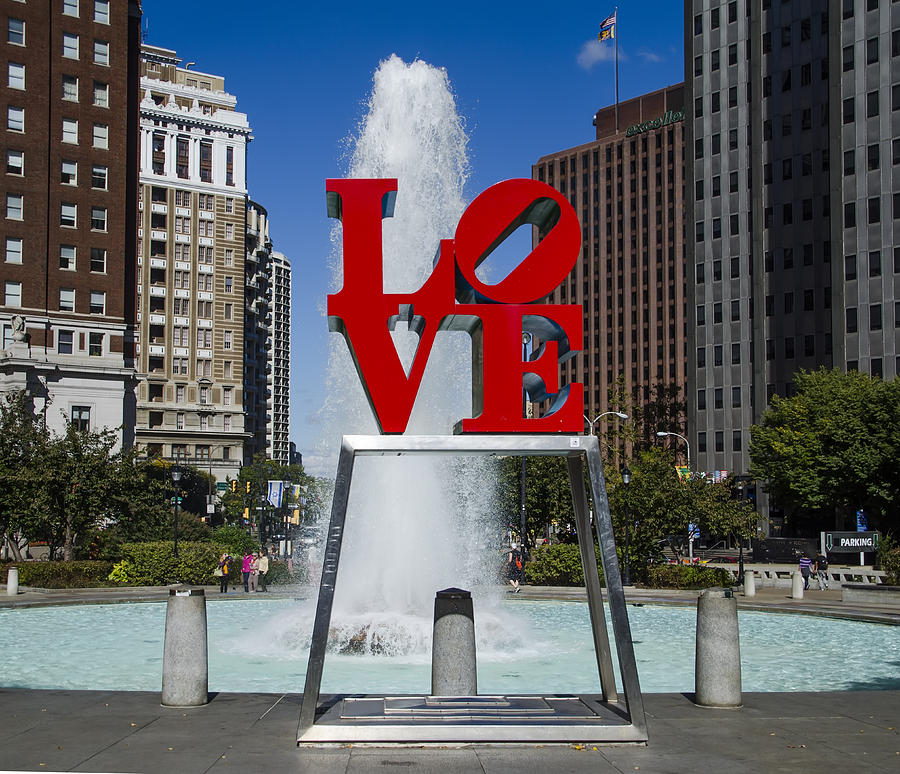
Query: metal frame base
{"type": "Point", "coordinates": [520, 719]}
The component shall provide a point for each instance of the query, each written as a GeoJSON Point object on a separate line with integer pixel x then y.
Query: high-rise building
{"type": "Point", "coordinates": [257, 325]}
{"type": "Point", "coordinates": [794, 115]}
{"type": "Point", "coordinates": [627, 187]}
{"type": "Point", "coordinates": [69, 107]}
{"type": "Point", "coordinates": [191, 267]}
{"type": "Point", "coordinates": [279, 365]}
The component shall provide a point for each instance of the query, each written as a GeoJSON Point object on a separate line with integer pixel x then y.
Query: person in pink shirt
{"type": "Point", "coordinates": [246, 569]}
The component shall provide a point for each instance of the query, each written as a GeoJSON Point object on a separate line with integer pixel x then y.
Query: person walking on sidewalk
{"type": "Point", "coordinates": [514, 568]}
{"type": "Point", "coordinates": [805, 569]}
{"type": "Point", "coordinates": [821, 570]}
{"type": "Point", "coordinates": [246, 567]}
{"type": "Point", "coordinates": [263, 569]}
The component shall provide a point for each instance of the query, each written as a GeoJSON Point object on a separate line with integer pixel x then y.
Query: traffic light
{"type": "Point", "coordinates": [248, 487]}
{"type": "Point", "coordinates": [233, 487]}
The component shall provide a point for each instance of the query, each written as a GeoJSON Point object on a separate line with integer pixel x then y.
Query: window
{"type": "Point", "coordinates": [13, 295]}
{"type": "Point", "coordinates": [204, 395]}
{"type": "Point", "coordinates": [15, 119]}
{"type": "Point", "coordinates": [229, 257]}
{"type": "Point", "coordinates": [875, 317]}
{"type": "Point", "coordinates": [70, 130]}
{"type": "Point", "coordinates": [701, 441]}
{"type": "Point", "coordinates": [735, 354]}
{"type": "Point", "coordinates": [64, 342]}
{"type": "Point", "coordinates": [848, 110]}
{"type": "Point", "coordinates": [15, 162]}
{"type": "Point", "coordinates": [720, 441]}
{"type": "Point", "coordinates": [229, 166]}
{"type": "Point", "coordinates": [227, 393]}
{"type": "Point", "coordinates": [14, 206]}
{"type": "Point", "coordinates": [101, 136]}
{"type": "Point", "coordinates": [228, 284]}
{"type": "Point", "coordinates": [98, 302]}
{"type": "Point", "coordinates": [101, 52]}
{"type": "Point", "coordinates": [701, 314]}
{"type": "Point", "coordinates": [70, 88]}
{"type": "Point", "coordinates": [229, 230]}
{"type": "Point", "coordinates": [101, 11]}
{"type": "Point", "coordinates": [875, 263]}
{"type": "Point", "coordinates": [95, 344]}
{"type": "Point", "coordinates": [735, 440]}
{"type": "Point", "coordinates": [81, 418]}
{"type": "Point", "coordinates": [226, 343]}
{"type": "Point", "coordinates": [179, 420]}
{"type": "Point", "coordinates": [98, 260]}
{"type": "Point", "coordinates": [871, 51]}
{"type": "Point", "coordinates": [851, 319]}
{"type": "Point", "coordinates": [101, 94]}
{"type": "Point", "coordinates": [69, 173]}
{"type": "Point", "coordinates": [850, 215]}
{"type": "Point", "coordinates": [13, 249]}
{"type": "Point", "coordinates": [872, 104]}
{"type": "Point", "coordinates": [67, 299]}
{"type": "Point", "coordinates": [68, 215]}
{"type": "Point", "coordinates": [98, 218]}
{"type": "Point", "coordinates": [70, 8]}
{"type": "Point", "coordinates": [847, 61]}
{"type": "Point", "coordinates": [850, 267]}
{"type": "Point", "coordinates": [99, 177]}
{"type": "Point", "coordinates": [70, 46]}
{"type": "Point", "coordinates": [873, 157]}
{"type": "Point", "coordinates": [874, 208]}
{"type": "Point", "coordinates": [205, 161]}
{"type": "Point", "coordinates": [701, 357]}
{"type": "Point", "coordinates": [16, 32]}
{"type": "Point", "coordinates": [67, 257]}
{"type": "Point", "coordinates": [16, 76]}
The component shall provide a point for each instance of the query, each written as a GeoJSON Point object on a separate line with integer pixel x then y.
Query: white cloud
{"type": "Point", "coordinates": [594, 51]}
{"type": "Point", "coordinates": [649, 56]}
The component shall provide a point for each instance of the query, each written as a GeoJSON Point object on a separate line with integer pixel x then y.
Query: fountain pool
{"type": "Point", "coordinates": [260, 645]}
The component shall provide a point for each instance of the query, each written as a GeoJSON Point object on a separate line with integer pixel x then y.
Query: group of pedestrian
{"type": "Point", "coordinates": [254, 569]}
{"type": "Point", "coordinates": [817, 567]}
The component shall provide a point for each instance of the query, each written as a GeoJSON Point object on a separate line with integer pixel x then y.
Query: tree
{"type": "Point", "coordinates": [830, 449]}
{"type": "Point", "coordinates": [23, 442]}
{"type": "Point", "coordinates": [661, 506]}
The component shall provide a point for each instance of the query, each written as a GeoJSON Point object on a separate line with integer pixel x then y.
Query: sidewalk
{"type": "Point", "coordinates": [96, 731]}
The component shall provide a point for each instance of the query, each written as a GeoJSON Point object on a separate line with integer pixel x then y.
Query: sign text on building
{"type": "Point", "coordinates": [670, 117]}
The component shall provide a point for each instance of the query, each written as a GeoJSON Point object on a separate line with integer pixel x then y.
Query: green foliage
{"type": "Point", "coordinates": [278, 574]}
{"type": "Point", "coordinates": [557, 565]}
{"type": "Point", "coordinates": [235, 539]}
{"type": "Point", "coordinates": [831, 448]}
{"type": "Point", "coordinates": [258, 474]}
{"type": "Point", "coordinates": [687, 576]}
{"type": "Point", "coordinates": [661, 506]}
{"type": "Point", "coordinates": [154, 564]}
{"type": "Point", "coordinates": [889, 560]}
{"type": "Point", "coordinates": [61, 575]}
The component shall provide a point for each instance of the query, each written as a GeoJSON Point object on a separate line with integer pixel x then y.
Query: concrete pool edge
{"type": "Point", "coordinates": [825, 604]}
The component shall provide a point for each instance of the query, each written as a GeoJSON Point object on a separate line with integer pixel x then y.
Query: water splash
{"type": "Point", "coordinates": [415, 524]}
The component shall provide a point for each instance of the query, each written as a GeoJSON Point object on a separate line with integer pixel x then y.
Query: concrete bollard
{"type": "Point", "coordinates": [12, 582]}
{"type": "Point", "coordinates": [749, 583]}
{"type": "Point", "coordinates": [796, 585]}
{"type": "Point", "coordinates": [453, 670]}
{"type": "Point", "coordinates": [717, 668]}
{"type": "Point", "coordinates": [185, 677]}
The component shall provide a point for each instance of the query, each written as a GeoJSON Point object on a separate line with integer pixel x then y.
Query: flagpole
{"type": "Point", "coordinates": [616, 37]}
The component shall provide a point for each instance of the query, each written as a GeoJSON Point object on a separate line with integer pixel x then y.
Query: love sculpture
{"type": "Point", "coordinates": [496, 316]}
{"type": "Point", "coordinates": [453, 298]}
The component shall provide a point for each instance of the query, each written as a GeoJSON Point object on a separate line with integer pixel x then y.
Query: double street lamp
{"type": "Point", "coordinates": [176, 478]}
{"type": "Point", "coordinates": [626, 479]}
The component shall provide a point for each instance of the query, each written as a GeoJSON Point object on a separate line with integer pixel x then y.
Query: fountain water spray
{"type": "Point", "coordinates": [415, 524]}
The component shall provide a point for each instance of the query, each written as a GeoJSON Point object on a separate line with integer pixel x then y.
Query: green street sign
{"type": "Point", "coordinates": [221, 486]}
{"type": "Point", "coordinates": [172, 500]}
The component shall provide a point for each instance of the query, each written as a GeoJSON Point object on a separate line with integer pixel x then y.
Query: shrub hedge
{"type": "Point", "coordinates": [557, 565]}
{"type": "Point", "coordinates": [154, 564]}
{"type": "Point", "coordinates": [62, 575]}
{"type": "Point", "coordinates": [687, 576]}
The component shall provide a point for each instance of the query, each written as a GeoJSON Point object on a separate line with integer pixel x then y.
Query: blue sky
{"type": "Point", "coordinates": [527, 82]}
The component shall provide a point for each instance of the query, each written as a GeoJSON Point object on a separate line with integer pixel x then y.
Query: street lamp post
{"type": "Point", "coordinates": [526, 339]}
{"type": "Point", "coordinates": [592, 422]}
{"type": "Point", "coordinates": [664, 433]}
{"type": "Point", "coordinates": [626, 479]}
{"type": "Point", "coordinates": [176, 478]}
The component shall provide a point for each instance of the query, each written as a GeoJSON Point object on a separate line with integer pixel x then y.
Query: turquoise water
{"type": "Point", "coordinates": [524, 646]}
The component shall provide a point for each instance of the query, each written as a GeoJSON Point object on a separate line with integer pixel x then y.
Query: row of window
{"type": "Point", "coordinates": [97, 304]}
{"type": "Point", "coordinates": [15, 122]}
{"type": "Point", "coordinates": [204, 425]}
{"type": "Point", "coordinates": [101, 9]}
{"type": "Point", "coordinates": [70, 91]}
{"type": "Point", "coordinates": [736, 441]}
{"type": "Point", "coordinates": [68, 213]}
{"type": "Point", "coordinates": [15, 165]}
{"type": "Point", "coordinates": [65, 343]}
{"type": "Point", "coordinates": [875, 317]}
{"type": "Point", "coordinates": [71, 45]}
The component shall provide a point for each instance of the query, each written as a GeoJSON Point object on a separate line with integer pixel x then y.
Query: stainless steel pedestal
{"type": "Point", "coordinates": [488, 719]}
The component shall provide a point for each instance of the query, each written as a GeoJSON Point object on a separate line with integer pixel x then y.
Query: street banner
{"type": "Point", "coordinates": [276, 492]}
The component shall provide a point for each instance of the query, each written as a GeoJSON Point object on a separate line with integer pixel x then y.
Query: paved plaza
{"type": "Point", "coordinates": [107, 731]}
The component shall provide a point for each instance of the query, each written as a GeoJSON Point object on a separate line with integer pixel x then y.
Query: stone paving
{"type": "Point", "coordinates": [104, 731]}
